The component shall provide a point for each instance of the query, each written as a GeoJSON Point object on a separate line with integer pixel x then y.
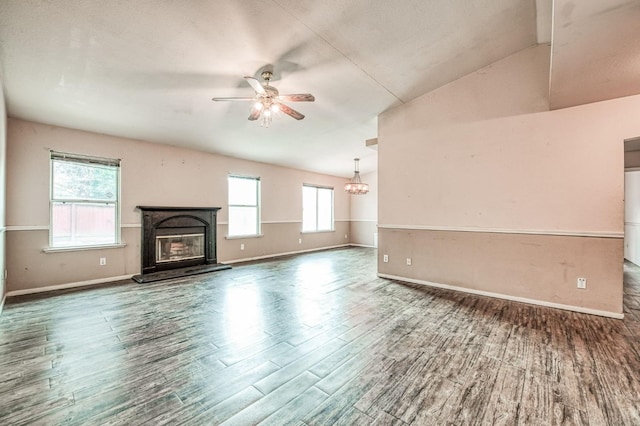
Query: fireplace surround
{"type": "Point", "coordinates": [177, 241]}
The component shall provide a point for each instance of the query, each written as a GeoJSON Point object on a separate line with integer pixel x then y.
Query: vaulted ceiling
{"type": "Point", "coordinates": [147, 69]}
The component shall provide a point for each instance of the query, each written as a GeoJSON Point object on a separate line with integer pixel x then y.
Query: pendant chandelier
{"type": "Point", "coordinates": [355, 186]}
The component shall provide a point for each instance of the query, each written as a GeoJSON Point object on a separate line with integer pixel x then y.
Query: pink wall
{"type": "Point", "coordinates": [538, 170]}
{"type": "Point", "coordinates": [365, 207]}
{"type": "Point", "coordinates": [484, 154]}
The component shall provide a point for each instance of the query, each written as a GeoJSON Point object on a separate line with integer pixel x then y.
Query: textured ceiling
{"type": "Point", "coordinates": [595, 51]}
{"type": "Point", "coordinates": [147, 69]}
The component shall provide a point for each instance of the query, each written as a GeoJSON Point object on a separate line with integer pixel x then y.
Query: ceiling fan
{"type": "Point", "coordinates": [268, 101]}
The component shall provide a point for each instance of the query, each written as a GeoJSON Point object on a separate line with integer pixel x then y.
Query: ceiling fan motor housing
{"type": "Point", "coordinates": [266, 76]}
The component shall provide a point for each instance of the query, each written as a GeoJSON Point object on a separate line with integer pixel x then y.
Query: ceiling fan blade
{"type": "Point", "coordinates": [255, 114]}
{"type": "Point", "coordinates": [233, 99]}
{"type": "Point", "coordinates": [290, 111]}
{"type": "Point", "coordinates": [256, 85]}
{"type": "Point", "coordinates": [298, 97]}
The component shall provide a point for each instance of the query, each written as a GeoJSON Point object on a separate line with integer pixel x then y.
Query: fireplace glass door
{"type": "Point", "coordinates": [175, 248]}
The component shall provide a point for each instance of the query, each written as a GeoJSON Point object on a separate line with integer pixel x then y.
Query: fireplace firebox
{"type": "Point", "coordinates": [178, 248]}
{"type": "Point", "coordinates": [177, 241]}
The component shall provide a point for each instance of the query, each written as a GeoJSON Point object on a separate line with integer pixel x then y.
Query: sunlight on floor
{"type": "Point", "coordinates": [243, 316]}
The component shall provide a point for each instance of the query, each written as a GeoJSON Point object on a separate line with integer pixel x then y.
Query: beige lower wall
{"type": "Point", "coordinates": [278, 238]}
{"type": "Point", "coordinates": [29, 268]}
{"type": "Point", "coordinates": [364, 232]}
{"type": "Point", "coordinates": [538, 267]}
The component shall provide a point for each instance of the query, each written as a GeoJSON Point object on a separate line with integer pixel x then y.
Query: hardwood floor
{"type": "Point", "coordinates": [309, 340]}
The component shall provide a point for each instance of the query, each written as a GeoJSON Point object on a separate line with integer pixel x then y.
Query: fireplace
{"type": "Point", "coordinates": [177, 241]}
{"type": "Point", "coordinates": [177, 248]}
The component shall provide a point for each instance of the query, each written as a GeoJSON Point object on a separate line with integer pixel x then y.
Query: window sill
{"type": "Point", "coordinates": [82, 248]}
{"type": "Point", "coordinates": [239, 237]}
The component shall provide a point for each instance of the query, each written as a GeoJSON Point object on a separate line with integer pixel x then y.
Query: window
{"type": "Point", "coordinates": [317, 208]}
{"type": "Point", "coordinates": [244, 206]}
{"type": "Point", "coordinates": [84, 205]}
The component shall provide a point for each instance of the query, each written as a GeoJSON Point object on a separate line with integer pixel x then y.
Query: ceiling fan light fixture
{"type": "Point", "coordinates": [268, 101]}
{"type": "Point", "coordinates": [355, 186]}
{"type": "Point", "coordinates": [266, 118]}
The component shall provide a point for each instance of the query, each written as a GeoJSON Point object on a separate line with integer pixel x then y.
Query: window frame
{"type": "Point", "coordinates": [257, 206]}
{"type": "Point", "coordinates": [115, 163]}
{"type": "Point", "coordinates": [333, 221]}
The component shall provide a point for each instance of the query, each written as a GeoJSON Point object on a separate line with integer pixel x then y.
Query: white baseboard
{"type": "Point", "coordinates": [268, 256]}
{"type": "Point", "coordinates": [572, 308]}
{"type": "Point", "coordinates": [68, 285]}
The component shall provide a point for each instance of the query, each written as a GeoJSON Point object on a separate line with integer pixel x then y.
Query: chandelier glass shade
{"type": "Point", "coordinates": [355, 186]}
{"type": "Point", "coordinates": [266, 108]}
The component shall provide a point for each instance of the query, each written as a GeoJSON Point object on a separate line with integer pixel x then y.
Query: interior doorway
{"type": "Point", "coordinates": [632, 200]}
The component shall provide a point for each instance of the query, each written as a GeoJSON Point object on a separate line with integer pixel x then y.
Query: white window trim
{"type": "Point", "coordinates": [79, 158]}
{"type": "Point", "coordinates": [258, 207]}
{"type": "Point", "coordinates": [333, 219]}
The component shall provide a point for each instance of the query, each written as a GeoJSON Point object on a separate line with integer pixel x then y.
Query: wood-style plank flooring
{"type": "Point", "coordinates": [309, 340]}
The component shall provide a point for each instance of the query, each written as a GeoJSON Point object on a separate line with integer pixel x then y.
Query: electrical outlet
{"type": "Point", "coordinates": [345, 236]}
{"type": "Point", "coordinates": [241, 246]}
{"type": "Point", "coordinates": [582, 283]}
{"type": "Point", "coordinates": [385, 258]}
{"type": "Point", "coordinates": [299, 240]}
{"type": "Point", "coordinates": [103, 261]}
{"type": "Point", "coordinates": [408, 261]}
